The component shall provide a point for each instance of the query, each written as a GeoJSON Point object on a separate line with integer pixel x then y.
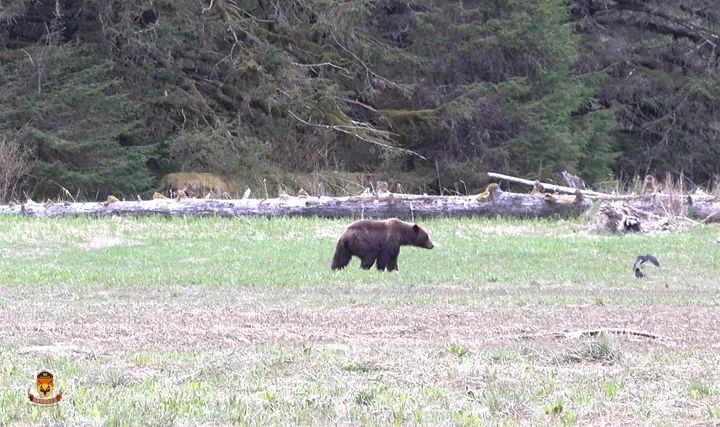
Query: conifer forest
{"type": "Point", "coordinates": [102, 97]}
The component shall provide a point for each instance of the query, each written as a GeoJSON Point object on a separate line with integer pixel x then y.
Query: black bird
{"type": "Point", "coordinates": [642, 259]}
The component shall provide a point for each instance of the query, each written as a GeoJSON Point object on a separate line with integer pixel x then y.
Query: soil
{"type": "Point", "coordinates": [102, 321]}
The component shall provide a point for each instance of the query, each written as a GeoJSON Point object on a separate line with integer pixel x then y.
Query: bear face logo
{"type": "Point", "coordinates": [44, 384]}
{"type": "Point", "coordinates": [45, 388]}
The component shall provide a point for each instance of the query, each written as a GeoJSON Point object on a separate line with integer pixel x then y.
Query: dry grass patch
{"type": "Point", "coordinates": [599, 349]}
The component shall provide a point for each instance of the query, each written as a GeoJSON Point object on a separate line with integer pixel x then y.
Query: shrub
{"type": "Point", "coordinates": [15, 163]}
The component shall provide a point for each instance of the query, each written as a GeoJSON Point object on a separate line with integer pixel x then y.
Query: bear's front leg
{"type": "Point", "coordinates": [383, 260]}
{"type": "Point", "coordinates": [392, 263]}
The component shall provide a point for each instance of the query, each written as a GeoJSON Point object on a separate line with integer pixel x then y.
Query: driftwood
{"type": "Point", "coordinates": [650, 201]}
{"type": "Point", "coordinates": [619, 218]}
{"type": "Point", "coordinates": [705, 209]}
{"type": "Point", "coordinates": [643, 216]}
{"type": "Point", "coordinates": [553, 187]}
{"type": "Point", "coordinates": [618, 331]}
{"type": "Point", "coordinates": [592, 333]}
{"type": "Point", "coordinates": [660, 204]}
{"type": "Point", "coordinates": [573, 181]}
{"type": "Point", "coordinates": [658, 212]}
{"type": "Point", "coordinates": [490, 204]}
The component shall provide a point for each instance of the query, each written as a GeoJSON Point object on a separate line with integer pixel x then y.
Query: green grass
{"type": "Point", "coordinates": [154, 321]}
{"type": "Point", "coordinates": [296, 252]}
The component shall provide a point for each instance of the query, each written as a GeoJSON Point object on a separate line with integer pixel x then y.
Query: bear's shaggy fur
{"type": "Point", "coordinates": [378, 241]}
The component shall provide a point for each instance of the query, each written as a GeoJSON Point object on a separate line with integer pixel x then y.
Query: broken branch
{"type": "Point", "coordinates": [553, 187]}
{"type": "Point", "coordinates": [354, 131]}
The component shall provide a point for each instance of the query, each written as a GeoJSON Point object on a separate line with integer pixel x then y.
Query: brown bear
{"type": "Point", "coordinates": [378, 241]}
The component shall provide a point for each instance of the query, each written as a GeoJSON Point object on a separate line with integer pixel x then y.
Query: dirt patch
{"type": "Point", "coordinates": [347, 347]}
{"type": "Point", "coordinates": [101, 321]}
{"type": "Point", "coordinates": [101, 242]}
{"type": "Point", "coordinates": [57, 350]}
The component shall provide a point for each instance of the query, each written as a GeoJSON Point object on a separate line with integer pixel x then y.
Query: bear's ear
{"type": "Point", "coordinates": [416, 228]}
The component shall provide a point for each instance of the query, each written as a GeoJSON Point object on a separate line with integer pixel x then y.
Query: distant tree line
{"type": "Point", "coordinates": [106, 97]}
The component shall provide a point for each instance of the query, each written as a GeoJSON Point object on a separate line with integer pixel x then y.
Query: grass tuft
{"type": "Point", "coordinates": [598, 349]}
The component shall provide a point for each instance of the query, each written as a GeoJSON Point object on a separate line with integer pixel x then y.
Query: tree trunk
{"type": "Point", "coordinates": [495, 203]}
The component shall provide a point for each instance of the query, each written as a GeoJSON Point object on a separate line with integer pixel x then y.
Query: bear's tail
{"type": "Point", "coordinates": [342, 256]}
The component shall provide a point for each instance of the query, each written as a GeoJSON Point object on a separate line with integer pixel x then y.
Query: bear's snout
{"type": "Point", "coordinates": [429, 245]}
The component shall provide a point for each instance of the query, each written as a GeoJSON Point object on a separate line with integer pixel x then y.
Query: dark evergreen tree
{"type": "Point", "coordinates": [111, 95]}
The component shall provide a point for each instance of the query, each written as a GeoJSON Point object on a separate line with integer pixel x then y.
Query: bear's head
{"type": "Point", "coordinates": [422, 239]}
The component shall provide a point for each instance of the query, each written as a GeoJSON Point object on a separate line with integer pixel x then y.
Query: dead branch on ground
{"type": "Point", "coordinates": [592, 333]}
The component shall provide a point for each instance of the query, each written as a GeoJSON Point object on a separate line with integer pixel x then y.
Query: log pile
{"type": "Point", "coordinates": [650, 212]}
{"type": "Point", "coordinates": [623, 218]}
{"type": "Point", "coordinates": [493, 203]}
{"type": "Point", "coordinates": [659, 213]}
{"type": "Point", "coordinates": [703, 208]}
{"type": "Point", "coordinates": [653, 211]}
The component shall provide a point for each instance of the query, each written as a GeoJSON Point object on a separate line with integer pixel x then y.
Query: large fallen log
{"type": "Point", "coordinates": [656, 212]}
{"type": "Point", "coordinates": [623, 217]}
{"type": "Point", "coordinates": [490, 204]}
{"type": "Point", "coordinates": [660, 204]}
{"type": "Point", "coordinates": [702, 207]}
{"type": "Point", "coordinates": [706, 209]}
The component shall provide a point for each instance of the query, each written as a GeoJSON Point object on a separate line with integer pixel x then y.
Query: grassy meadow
{"type": "Point", "coordinates": [155, 321]}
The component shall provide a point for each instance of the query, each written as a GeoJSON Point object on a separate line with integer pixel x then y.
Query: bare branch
{"type": "Point", "coordinates": [15, 164]}
{"type": "Point", "coordinates": [352, 101]}
{"type": "Point", "coordinates": [369, 72]}
{"type": "Point", "coordinates": [207, 9]}
{"type": "Point", "coordinates": [381, 140]}
{"type": "Point", "coordinates": [323, 64]}
{"type": "Point", "coordinates": [548, 186]}
{"type": "Point", "coordinates": [592, 333]}
{"type": "Point", "coordinates": [38, 68]}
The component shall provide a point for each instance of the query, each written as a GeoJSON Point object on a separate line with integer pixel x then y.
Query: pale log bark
{"type": "Point", "coordinates": [552, 187]}
{"type": "Point", "coordinates": [650, 212]}
{"type": "Point", "coordinates": [705, 209]}
{"type": "Point", "coordinates": [407, 206]}
{"type": "Point", "coordinates": [660, 204]}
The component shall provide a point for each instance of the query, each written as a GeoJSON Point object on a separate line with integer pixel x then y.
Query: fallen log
{"type": "Point", "coordinates": [704, 208]}
{"type": "Point", "coordinates": [644, 215]}
{"type": "Point", "coordinates": [593, 333]}
{"type": "Point", "coordinates": [553, 187]}
{"type": "Point", "coordinates": [660, 204]}
{"type": "Point", "coordinates": [618, 218]}
{"type": "Point", "coordinates": [493, 204]}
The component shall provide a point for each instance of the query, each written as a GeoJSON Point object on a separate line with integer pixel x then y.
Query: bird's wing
{"type": "Point", "coordinates": [638, 262]}
{"type": "Point", "coordinates": [652, 260]}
